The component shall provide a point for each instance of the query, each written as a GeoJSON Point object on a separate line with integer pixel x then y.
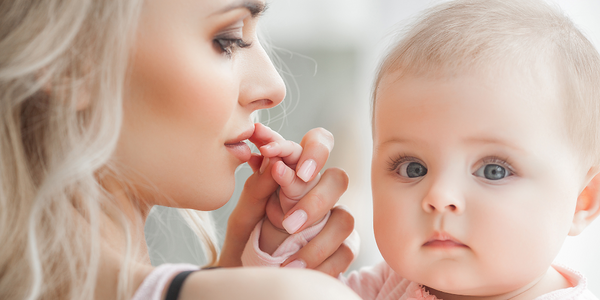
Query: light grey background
{"type": "Point", "coordinates": [328, 51]}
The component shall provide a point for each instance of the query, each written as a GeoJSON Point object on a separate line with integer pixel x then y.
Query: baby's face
{"type": "Point", "coordinates": [474, 181]}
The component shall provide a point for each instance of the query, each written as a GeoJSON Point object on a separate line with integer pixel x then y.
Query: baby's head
{"type": "Point", "coordinates": [486, 146]}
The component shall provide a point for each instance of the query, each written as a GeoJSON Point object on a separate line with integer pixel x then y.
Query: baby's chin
{"type": "Point", "coordinates": [451, 282]}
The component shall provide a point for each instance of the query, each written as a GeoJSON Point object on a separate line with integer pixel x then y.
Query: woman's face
{"type": "Point", "coordinates": [198, 71]}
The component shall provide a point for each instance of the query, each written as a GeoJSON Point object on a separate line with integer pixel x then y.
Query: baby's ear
{"type": "Point", "coordinates": [588, 203]}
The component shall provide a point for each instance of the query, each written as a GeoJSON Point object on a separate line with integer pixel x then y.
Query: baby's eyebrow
{"type": "Point", "coordinates": [494, 140]}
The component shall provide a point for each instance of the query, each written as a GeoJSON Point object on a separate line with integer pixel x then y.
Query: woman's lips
{"type": "Point", "coordinates": [238, 147]}
{"type": "Point", "coordinates": [240, 150]}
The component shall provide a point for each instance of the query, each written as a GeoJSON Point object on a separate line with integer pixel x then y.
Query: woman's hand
{"type": "Point", "coordinates": [326, 252]}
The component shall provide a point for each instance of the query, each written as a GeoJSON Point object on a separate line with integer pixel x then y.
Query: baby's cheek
{"type": "Point", "coordinates": [388, 235]}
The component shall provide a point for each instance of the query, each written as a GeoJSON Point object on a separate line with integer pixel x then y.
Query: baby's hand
{"type": "Point", "coordinates": [281, 157]}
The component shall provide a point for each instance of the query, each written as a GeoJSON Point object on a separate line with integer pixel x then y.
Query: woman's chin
{"type": "Point", "coordinates": [218, 199]}
{"type": "Point", "coordinates": [205, 197]}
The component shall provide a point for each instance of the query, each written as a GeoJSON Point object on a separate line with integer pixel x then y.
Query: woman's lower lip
{"type": "Point", "coordinates": [240, 150]}
{"type": "Point", "coordinates": [444, 244]}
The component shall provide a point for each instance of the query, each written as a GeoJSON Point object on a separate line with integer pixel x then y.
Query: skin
{"type": "Point", "coordinates": [454, 230]}
{"type": "Point", "coordinates": [175, 100]}
{"type": "Point", "coordinates": [197, 74]}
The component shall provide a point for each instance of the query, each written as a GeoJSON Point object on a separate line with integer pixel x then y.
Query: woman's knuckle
{"type": "Point", "coordinates": [339, 176]}
{"type": "Point", "coordinates": [346, 223]}
{"type": "Point", "coordinates": [319, 253]}
{"type": "Point", "coordinates": [346, 254]}
{"type": "Point", "coordinates": [318, 201]}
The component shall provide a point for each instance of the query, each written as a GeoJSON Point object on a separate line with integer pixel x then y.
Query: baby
{"type": "Point", "coordinates": [486, 155]}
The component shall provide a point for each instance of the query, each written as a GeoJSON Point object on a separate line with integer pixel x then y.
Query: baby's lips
{"type": "Point", "coordinates": [442, 238]}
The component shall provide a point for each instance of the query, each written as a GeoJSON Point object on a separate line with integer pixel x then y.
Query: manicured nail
{"type": "Point", "coordinates": [298, 264]}
{"type": "Point", "coordinates": [307, 170]}
{"type": "Point", "coordinates": [295, 221]}
{"type": "Point", "coordinates": [264, 165]}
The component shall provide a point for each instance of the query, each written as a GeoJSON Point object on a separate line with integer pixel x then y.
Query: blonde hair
{"type": "Point", "coordinates": [63, 67]}
{"type": "Point", "coordinates": [491, 35]}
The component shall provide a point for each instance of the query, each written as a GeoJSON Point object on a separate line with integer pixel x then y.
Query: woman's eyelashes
{"type": "Point", "coordinates": [228, 45]}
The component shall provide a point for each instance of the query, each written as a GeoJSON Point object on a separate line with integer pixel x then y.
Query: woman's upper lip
{"type": "Point", "coordinates": [242, 136]}
{"type": "Point", "coordinates": [443, 236]}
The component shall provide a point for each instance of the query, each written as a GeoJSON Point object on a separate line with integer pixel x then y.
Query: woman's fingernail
{"type": "Point", "coordinates": [296, 264]}
{"type": "Point", "coordinates": [295, 221]}
{"type": "Point", "coordinates": [264, 165]}
{"type": "Point", "coordinates": [307, 170]}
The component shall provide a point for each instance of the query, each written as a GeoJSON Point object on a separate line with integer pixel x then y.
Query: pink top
{"type": "Point", "coordinates": [155, 283]}
{"type": "Point", "coordinates": [380, 282]}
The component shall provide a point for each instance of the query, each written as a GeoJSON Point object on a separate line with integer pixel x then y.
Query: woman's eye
{"type": "Point", "coordinates": [228, 45]}
{"type": "Point", "coordinates": [492, 172]}
{"type": "Point", "coordinates": [412, 170]}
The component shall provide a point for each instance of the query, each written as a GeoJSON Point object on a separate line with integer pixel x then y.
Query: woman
{"type": "Point", "coordinates": [112, 107]}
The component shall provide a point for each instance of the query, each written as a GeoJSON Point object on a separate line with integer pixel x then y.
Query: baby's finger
{"type": "Point", "coordinates": [318, 201]}
{"type": "Point", "coordinates": [291, 185]}
{"type": "Point", "coordinates": [316, 145]}
{"type": "Point", "coordinates": [263, 135]}
{"type": "Point", "coordinates": [327, 251]}
{"type": "Point", "coordinates": [289, 151]}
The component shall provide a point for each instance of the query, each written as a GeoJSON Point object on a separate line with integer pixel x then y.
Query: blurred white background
{"type": "Point", "coordinates": [328, 51]}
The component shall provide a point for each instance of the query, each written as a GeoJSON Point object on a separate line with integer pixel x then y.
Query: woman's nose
{"type": "Point", "coordinates": [261, 85]}
{"type": "Point", "coordinates": [442, 197]}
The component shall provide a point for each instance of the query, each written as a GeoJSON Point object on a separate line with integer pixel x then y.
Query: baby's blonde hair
{"type": "Point", "coordinates": [467, 36]}
{"type": "Point", "coordinates": [63, 68]}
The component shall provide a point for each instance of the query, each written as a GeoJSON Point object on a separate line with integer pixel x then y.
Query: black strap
{"type": "Point", "coordinates": [176, 284]}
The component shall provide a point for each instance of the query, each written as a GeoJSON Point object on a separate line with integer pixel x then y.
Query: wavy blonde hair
{"type": "Point", "coordinates": [488, 37]}
{"type": "Point", "coordinates": [63, 67]}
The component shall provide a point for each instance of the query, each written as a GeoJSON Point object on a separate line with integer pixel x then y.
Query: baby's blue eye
{"type": "Point", "coordinates": [492, 172]}
{"type": "Point", "coordinates": [412, 170]}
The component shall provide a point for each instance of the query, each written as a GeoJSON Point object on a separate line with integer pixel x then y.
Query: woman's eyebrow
{"type": "Point", "coordinates": [255, 7]}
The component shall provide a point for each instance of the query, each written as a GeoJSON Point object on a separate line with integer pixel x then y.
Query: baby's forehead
{"type": "Point", "coordinates": [467, 101]}
{"type": "Point", "coordinates": [531, 82]}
